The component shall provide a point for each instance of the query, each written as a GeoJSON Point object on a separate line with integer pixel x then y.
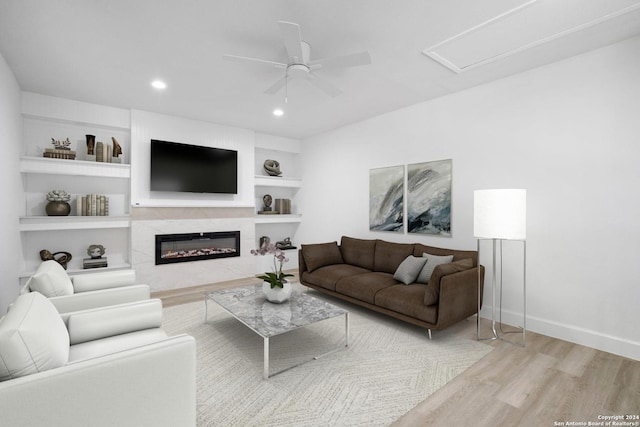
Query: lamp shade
{"type": "Point", "coordinates": [500, 214]}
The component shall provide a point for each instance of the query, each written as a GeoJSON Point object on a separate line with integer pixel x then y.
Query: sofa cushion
{"type": "Point", "coordinates": [327, 276]}
{"type": "Point", "coordinates": [432, 262]}
{"type": "Point", "coordinates": [409, 269]}
{"type": "Point", "coordinates": [407, 300]}
{"type": "Point", "coordinates": [321, 254]}
{"type": "Point", "coordinates": [33, 337]}
{"type": "Point", "coordinates": [358, 252]}
{"type": "Point", "coordinates": [432, 294]}
{"type": "Point", "coordinates": [51, 280]}
{"type": "Point", "coordinates": [365, 286]}
{"type": "Point", "coordinates": [389, 255]}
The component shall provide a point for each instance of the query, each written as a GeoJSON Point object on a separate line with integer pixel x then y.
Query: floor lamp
{"type": "Point", "coordinates": [500, 215]}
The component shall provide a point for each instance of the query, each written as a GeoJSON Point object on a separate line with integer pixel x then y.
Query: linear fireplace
{"type": "Point", "coordinates": [185, 247]}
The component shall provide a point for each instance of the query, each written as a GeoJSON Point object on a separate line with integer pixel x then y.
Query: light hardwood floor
{"type": "Point", "coordinates": [550, 382]}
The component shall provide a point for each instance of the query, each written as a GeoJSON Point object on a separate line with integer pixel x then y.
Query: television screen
{"type": "Point", "coordinates": [193, 168]}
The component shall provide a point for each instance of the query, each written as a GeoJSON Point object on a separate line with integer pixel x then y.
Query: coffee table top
{"type": "Point", "coordinates": [248, 305]}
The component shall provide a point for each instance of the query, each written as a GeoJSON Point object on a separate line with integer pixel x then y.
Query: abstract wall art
{"type": "Point", "coordinates": [429, 198]}
{"type": "Point", "coordinates": [386, 199]}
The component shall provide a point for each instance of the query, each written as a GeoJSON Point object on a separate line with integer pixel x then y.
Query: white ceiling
{"type": "Point", "coordinates": [108, 51]}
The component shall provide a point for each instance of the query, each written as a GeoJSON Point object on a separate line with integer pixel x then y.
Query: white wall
{"type": "Point", "coordinates": [10, 135]}
{"type": "Point", "coordinates": [146, 126]}
{"type": "Point", "coordinates": [568, 133]}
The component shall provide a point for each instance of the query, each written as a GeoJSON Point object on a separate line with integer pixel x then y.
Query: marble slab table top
{"type": "Point", "coordinates": [248, 305]}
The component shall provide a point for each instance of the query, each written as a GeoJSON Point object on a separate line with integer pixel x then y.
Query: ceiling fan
{"type": "Point", "coordinates": [299, 65]}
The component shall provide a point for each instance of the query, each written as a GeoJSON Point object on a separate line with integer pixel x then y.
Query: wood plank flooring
{"type": "Point", "coordinates": [550, 382]}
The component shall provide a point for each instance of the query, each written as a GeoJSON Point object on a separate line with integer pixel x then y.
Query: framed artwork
{"type": "Point", "coordinates": [429, 198]}
{"type": "Point", "coordinates": [386, 199]}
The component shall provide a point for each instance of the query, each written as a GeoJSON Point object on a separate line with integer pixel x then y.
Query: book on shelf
{"type": "Point", "coordinates": [56, 153]}
{"type": "Point", "coordinates": [283, 206]}
{"type": "Point", "coordinates": [92, 205]}
{"type": "Point", "coordinates": [104, 152]}
{"type": "Point", "coordinates": [94, 262]}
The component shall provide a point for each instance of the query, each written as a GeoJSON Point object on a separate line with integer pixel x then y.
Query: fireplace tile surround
{"type": "Point", "coordinates": [147, 222]}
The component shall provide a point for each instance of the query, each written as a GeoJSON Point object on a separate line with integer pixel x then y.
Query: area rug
{"type": "Point", "coordinates": [388, 368]}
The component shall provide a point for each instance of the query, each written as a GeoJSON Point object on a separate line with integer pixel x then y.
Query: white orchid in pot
{"type": "Point", "coordinates": [275, 287]}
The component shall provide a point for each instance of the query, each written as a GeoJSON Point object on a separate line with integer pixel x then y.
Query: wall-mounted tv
{"type": "Point", "coordinates": [193, 168]}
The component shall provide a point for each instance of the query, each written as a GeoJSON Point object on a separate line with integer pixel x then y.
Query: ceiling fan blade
{"type": "Point", "coordinates": [276, 86]}
{"type": "Point", "coordinates": [292, 41]}
{"type": "Point", "coordinates": [247, 59]}
{"type": "Point", "coordinates": [324, 85]}
{"type": "Point", "coordinates": [350, 60]}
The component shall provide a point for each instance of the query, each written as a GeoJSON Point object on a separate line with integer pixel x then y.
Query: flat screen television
{"type": "Point", "coordinates": [193, 168]}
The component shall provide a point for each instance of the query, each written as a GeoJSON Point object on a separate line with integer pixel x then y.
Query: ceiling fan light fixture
{"type": "Point", "coordinates": [278, 112]}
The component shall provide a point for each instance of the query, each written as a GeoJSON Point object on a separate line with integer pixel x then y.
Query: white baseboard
{"type": "Point", "coordinates": [575, 334]}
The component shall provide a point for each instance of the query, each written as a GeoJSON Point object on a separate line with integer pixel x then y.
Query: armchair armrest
{"type": "Point", "coordinates": [103, 280]}
{"type": "Point", "coordinates": [101, 298]}
{"type": "Point", "coordinates": [154, 384]}
{"type": "Point", "coordinates": [459, 296]}
{"type": "Point", "coordinates": [120, 319]}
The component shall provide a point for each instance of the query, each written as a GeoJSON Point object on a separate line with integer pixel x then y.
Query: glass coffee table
{"type": "Point", "coordinates": [248, 305]}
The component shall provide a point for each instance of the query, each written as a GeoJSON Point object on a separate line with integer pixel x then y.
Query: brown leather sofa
{"type": "Point", "coordinates": [381, 276]}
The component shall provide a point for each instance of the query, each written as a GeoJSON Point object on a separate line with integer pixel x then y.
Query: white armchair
{"type": "Point", "coordinates": [85, 291]}
{"type": "Point", "coordinates": [105, 367]}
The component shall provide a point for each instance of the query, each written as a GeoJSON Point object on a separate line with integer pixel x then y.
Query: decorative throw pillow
{"type": "Point", "coordinates": [432, 293]}
{"type": "Point", "coordinates": [51, 280]}
{"type": "Point", "coordinates": [321, 254]}
{"type": "Point", "coordinates": [409, 269]}
{"type": "Point", "coordinates": [432, 262]}
{"type": "Point", "coordinates": [33, 338]}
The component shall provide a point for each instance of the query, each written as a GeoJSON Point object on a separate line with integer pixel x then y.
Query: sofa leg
{"type": "Point", "coordinates": [429, 332]}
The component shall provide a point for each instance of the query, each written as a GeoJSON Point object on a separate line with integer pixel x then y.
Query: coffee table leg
{"type": "Point", "coordinates": [265, 373]}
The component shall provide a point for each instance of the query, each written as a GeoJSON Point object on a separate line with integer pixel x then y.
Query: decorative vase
{"type": "Point", "coordinates": [58, 208]}
{"type": "Point", "coordinates": [276, 295]}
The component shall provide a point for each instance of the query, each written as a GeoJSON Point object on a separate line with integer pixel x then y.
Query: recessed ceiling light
{"type": "Point", "coordinates": [278, 112]}
{"type": "Point", "coordinates": [159, 84]}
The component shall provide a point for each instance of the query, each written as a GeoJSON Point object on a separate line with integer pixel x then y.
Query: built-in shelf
{"type": "Point", "coordinates": [51, 223]}
{"type": "Point", "coordinates": [278, 219]}
{"type": "Point", "coordinates": [277, 181]}
{"type": "Point", "coordinates": [77, 271]}
{"type": "Point", "coordinates": [44, 165]}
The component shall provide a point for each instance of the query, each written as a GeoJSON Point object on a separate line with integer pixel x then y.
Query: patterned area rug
{"type": "Point", "coordinates": [388, 368]}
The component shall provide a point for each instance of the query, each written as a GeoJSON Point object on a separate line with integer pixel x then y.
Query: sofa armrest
{"type": "Point", "coordinates": [101, 298]}
{"type": "Point", "coordinates": [120, 319]}
{"type": "Point", "coordinates": [153, 384]}
{"type": "Point", "coordinates": [459, 296]}
{"type": "Point", "coordinates": [103, 280]}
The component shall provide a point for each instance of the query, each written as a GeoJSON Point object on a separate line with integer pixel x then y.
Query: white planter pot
{"type": "Point", "coordinates": [276, 295]}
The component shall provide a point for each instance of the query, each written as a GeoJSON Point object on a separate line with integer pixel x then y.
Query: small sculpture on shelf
{"type": "Point", "coordinates": [267, 200]}
{"type": "Point", "coordinates": [58, 203]}
{"type": "Point", "coordinates": [285, 244]}
{"type": "Point", "coordinates": [95, 252]}
{"type": "Point", "coordinates": [117, 151]}
{"type": "Point", "coordinates": [272, 167]}
{"type": "Point", "coordinates": [91, 146]}
{"type": "Point", "coordinates": [61, 145]}
{"type": "Point", "coordinates": [62, 257]}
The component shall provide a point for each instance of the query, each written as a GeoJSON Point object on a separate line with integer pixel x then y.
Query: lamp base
{"type": "Point", "coordinates": [520, 330]}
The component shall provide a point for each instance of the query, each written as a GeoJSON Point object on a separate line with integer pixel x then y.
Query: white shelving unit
{"type": "Point", "coordinates": [45, 118]}
{"type": "Point", "coordinates": [278, 226]}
